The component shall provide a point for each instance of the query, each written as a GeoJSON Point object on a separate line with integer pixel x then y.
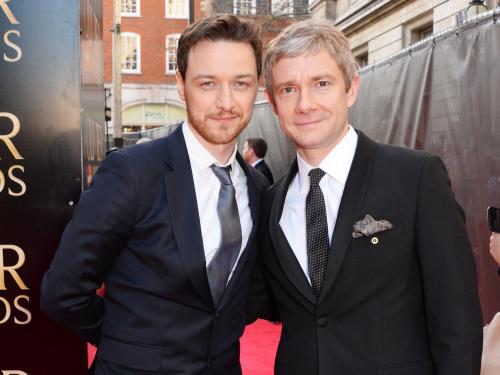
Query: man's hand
{"type": "Point", "coordinates": [495, 246]}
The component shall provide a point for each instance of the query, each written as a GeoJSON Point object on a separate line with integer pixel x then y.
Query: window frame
{"type": "Point", "coordinates": [138, 53]}
{"type": "Point", "coordinates": [185, 16]}
{"type": "Point", "coordinates": [253, 9]}
{"type": "Point", "coordinates": [361, 53]}
{"type": "Point", "coordinates": [176, 38]}
{"type": "Point", "coordinates": [137, 12]}
{"type": "Point", "coordinates": [413, 29]}
{"type": "Point", "coordinates": [278, 8]}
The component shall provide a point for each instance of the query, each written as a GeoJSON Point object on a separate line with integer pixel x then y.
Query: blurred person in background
{"type": "Point", "coordinates": [490, 364]}
{"type": "Point", "coordinates": [495, 246]}
{"type": "Point", "coordinates": [254, 151]}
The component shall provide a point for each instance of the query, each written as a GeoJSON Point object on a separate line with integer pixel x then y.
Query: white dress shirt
{"type": "Point", "coordinates": [207, 186]}
{"type": "Point", "coordinates": [256, 162]}
{"type": "Point", "coordinates": [293, 218]}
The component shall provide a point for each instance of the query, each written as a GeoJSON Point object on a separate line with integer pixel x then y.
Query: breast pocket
{"type": "Point", "coordinates": [370, 255]}
{"type": "Point", "coordinates": [380, 239]}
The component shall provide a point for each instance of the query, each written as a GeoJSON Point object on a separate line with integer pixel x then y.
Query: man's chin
{"type": "Point", "coordinates": [220, 137]}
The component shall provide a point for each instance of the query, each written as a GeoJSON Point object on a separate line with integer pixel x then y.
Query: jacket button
{"type": "Point", "coordinates": [322, 322]}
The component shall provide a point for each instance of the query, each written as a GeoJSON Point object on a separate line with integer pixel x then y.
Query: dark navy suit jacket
{"type": "Point", "coordinates": [262, 167]}
{"type": "Point", "coordinates": [137, 230]}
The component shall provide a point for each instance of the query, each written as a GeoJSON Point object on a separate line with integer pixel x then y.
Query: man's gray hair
{"type": "Point", "coordinates": [310, 36]}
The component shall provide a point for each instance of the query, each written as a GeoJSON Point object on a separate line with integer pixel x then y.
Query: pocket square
{"type": "Point", "coordinates": [369, 226]}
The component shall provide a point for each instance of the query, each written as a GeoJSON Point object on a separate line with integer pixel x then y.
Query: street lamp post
{"type": "Point", "coordinates": [117, 75]}
{"type": "Point", "coordinates": [475, 7]}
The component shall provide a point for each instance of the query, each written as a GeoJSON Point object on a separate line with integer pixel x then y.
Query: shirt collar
{"type": "Point", "coordinates": [336, 164]}
{"type": "Point", "coordinates": [256, 162]}
{"type": "Point", "coordinates": [199, 155]}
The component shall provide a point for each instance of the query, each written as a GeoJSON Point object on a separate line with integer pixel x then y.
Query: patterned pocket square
{"type": "Point", "coordinates": [369, 226]}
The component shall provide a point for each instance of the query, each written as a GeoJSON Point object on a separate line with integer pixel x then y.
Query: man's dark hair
{"type": "Point", "coordinates": [217, 28]}
{"type": "Point", "coordinates": [258, 145]}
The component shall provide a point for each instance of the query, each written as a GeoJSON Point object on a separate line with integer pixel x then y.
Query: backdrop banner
{"type": "Point", "coordinates": [443, 97]}
{"type": "Point", "coordinates": [40, 174]}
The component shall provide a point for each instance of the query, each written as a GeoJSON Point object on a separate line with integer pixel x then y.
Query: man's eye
{"type": "Point", "coordinates": [207, 84]}
{"type": "Point", "coordinates": [323, 84]}
{"type": "Point", "coordinates": [287, 90]}
{"type": "Point", "coordinates": [242, 84]}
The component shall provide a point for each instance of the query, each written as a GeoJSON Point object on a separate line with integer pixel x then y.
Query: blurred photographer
{"type": "Point", "coordinates": [490, 362]}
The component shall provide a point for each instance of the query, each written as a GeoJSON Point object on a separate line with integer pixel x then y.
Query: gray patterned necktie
{"type": "Point", "coordinates": [219, 268]}
{"type": "Point", "coordinates": [316, 231]}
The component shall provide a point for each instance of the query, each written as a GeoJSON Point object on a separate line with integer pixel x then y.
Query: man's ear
{"type": "Point", "coordinates": [352, 93]}
{"type": "Point", "coordinates": [180, 85]}
{"type": "Point", "coordinates": [251, 152]}
{"type": "Point", "coordinates": [270, 99]}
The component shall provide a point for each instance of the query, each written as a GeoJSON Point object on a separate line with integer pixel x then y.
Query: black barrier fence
{"type": "Point", "coordinates": [443, 96]}
{"type": "Point", "coordinates": [46, 103]}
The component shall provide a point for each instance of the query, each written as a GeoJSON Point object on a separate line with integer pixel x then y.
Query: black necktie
{"type": "Point", "coordinates": [220, 266]}
{"type": "Point", "coordinates": [316, 231]}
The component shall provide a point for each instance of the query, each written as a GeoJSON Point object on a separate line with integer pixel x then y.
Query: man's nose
{"type": "Point", "coordinates": [225, 98]}
{"type": "Point", "coordinates": [306, 102]}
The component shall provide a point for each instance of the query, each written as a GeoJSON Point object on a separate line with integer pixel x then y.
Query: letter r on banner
{"type": "Point", "coordinates": [12, 269]}
{"type": "Point", "coordinates": [15, 129]}
{"type": "Point", "coordinates": [8, 12]}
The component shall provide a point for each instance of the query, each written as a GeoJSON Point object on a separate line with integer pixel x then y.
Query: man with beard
{"type": "Point", "coordinates": [169, 226]}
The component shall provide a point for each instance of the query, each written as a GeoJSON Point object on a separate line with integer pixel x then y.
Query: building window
{"type": "Point", "coordinates": [422, 33]}
{"type": "Point", "coordinates": [361, 55]}
{"type": "Point", "coordinates": [131, 53]}
{"type": "Point", "coordinates": [176, 8]}
{"type": "Point", "coordinates": [131, 8]}
{"type": "Point", "coordinates": [418, 29]}
{"type": "Point", "coordinates": [171, 42]}
{"type": "Point", "coordinates": [244, 7]}
{"type": "Point", "coordinates": [282, 8]}
{"type": "Point", "coordinates": [362, 60]}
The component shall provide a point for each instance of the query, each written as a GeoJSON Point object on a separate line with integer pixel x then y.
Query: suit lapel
{"type": "Point", "coordinates": [284, 252]}
{"type": "Point", "coordinates": [183, 209]}
{"type": "Point", "coordinates": [352, 198]}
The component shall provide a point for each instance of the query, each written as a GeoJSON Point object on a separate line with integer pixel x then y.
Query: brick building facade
{"type": "Point", "coordinates": [149, 30]}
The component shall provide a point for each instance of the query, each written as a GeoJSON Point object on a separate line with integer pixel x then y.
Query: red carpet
{"type": "Point", "coordinates": [258, 348]}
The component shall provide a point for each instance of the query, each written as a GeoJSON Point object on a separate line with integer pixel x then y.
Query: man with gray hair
{"type": "Point", "coordinates": [364, 253]}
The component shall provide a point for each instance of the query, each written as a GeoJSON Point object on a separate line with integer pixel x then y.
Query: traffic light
{"type": "Point", "coordinates": [107, 113]}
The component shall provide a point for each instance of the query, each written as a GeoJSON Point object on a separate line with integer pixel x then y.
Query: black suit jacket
{"type": "Point", "coordinates": [137, 230]}
{"type": "Point", "coordinates": [405, 305]}
{"type": "Point", "coordinates": [262, 167]}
